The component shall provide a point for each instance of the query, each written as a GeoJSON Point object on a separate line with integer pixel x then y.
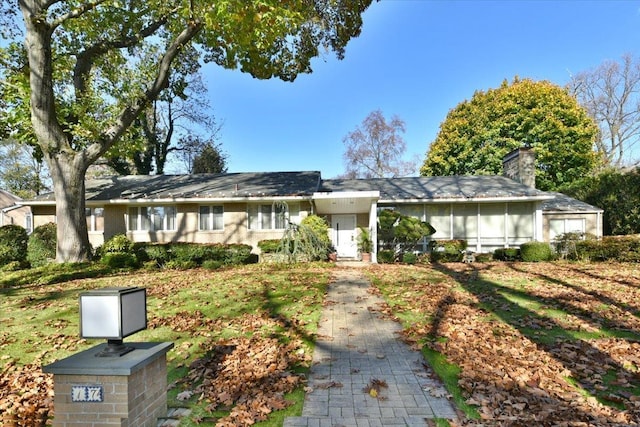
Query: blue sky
{"type": "Point", "coordinates": [415, 59]}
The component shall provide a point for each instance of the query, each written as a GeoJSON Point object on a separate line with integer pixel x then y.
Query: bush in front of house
{"type": "Point", "coordinates": [611, 248]}
{"type": "Point", "coordinates": [41, 247]}
{"type": "Point", "coordinates": [535, 252]}
{"type": "Point", "coordinates": [118, 243]}
{"type": "Point", "coordinates": [447, 250]}
{"type": "Point", "coordinates": [386, 256]}
{"type": "Point", "coordinates": [119, 260]}
{"type": "Point", "coordinates": [118, 252]}
{"type": "Point", "coordinates": [506, 254]}
{"type": "Point", "coordinates": [269, 246]}
{"type": "Point", "coordinates": [409, 258]}
{"type": "Point", "coordinates": [13, 245]}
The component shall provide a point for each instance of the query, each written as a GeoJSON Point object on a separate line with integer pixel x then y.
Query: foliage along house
{"type": "Point", "coordinates": [489, 212]}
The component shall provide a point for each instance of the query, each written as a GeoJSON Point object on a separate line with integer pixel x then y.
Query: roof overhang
{"type": "Point", "coordinates": [345, 202]}
{"type": "Point", "coordinates": [466, 200]}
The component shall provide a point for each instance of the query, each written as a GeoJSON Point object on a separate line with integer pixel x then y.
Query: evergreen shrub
{"type": "Point", "coordinates": [13, 244]}
{"type": "Point", "coordinates": [448, 250]}
{"type": "Point", "coordinates": [535, 252]}
{"type": "Point", "coordinates": [41, 247]}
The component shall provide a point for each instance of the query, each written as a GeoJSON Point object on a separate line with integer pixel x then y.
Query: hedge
{"type": "Point", "coordinates": [535, 252]}
{"type": "Point", "coordinates": [447, 250]}
{"type": "Point", "coordinates": [13, 244]}
{"type": "Point", "coordinates": [41, 247]}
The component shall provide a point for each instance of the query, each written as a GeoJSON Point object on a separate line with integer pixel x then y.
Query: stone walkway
{"type": "Point", "coordinates": [358, 351]}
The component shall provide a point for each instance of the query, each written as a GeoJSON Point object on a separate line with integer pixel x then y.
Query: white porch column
{"type": "Point", "coordinates": [538, 226]}
{"type": "Point", "coordinates": [373, 226]}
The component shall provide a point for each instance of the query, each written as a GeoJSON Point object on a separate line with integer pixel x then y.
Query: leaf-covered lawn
{"type": "Point", "coordinates": [535, 344]}
{"type": "Point", "coordinates": [523, 344]}
{"type": "Point", "coordinates": [242, 337]}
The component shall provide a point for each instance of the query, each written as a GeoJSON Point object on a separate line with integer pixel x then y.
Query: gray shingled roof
{"type": "Point", "coordinates": [437, 187]}
{"type": "Point", "coordinates": [563, 203]}
{"type": "Point", "coordinates": [228, 185]}
{"type": "Point", "coordinates": [278, 184]}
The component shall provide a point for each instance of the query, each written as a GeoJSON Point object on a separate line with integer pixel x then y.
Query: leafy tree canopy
{"type": "Point", "coordinates": [616, 192]}
{"type": "Point", "coordinates": [84, 71]}
{"type": "Point", "coordinates": [477, 134]}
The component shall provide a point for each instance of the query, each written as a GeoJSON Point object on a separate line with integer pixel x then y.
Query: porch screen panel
{"type": "Point", "coordinates": [414, 211]}
{"type": "Point", "coordinates": [465, 222]}
{"type": "Point", "coordinates": [492, 223]}
{"type": "Point", "coordinates": [520, 221]}
{"type": "Point", "coordinates": [439, 216]}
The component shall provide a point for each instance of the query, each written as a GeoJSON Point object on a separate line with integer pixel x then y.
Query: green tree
{"type": "Point", "coordinates": [478, 133]}
{"type": "Point", "coordinates": [617, 193]}
{"type": "Point", "coordinates": [87, 70]}
{"type": "Point", "coordinates": [209, 160]}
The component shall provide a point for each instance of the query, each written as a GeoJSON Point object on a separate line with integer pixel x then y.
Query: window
{"type": "Point", "coordinates": [28, 222]}
{"type": "Point", "coordinates": [152, 218]}
{"type": "Point", "coordinates": [274, 216]}
{"type": "Point", "coordinates": [95, 219]}
{"type": "Point", "coordinates": [211, 218]}
{"type": "Point", "coordinates": [558, 227]}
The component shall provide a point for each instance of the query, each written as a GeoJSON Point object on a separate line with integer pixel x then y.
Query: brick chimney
{"type": "Point", "coordinates": [519, 165]}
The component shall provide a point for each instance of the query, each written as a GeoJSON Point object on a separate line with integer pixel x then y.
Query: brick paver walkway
{"type": "Point", "coordinates": [356, 346]}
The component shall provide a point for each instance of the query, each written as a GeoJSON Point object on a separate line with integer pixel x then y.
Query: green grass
{"type": "Point", "coordinates": [449, 375]}
{"type": "Point", "coordinates": [40, 316]}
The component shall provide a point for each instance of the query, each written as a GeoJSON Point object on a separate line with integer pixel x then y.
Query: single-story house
{"type": "Point", "coordinates": [488, 211]}
{"type": "Point", "coordinates": [13, 212]}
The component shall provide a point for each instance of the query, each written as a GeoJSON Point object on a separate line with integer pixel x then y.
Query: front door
{"type": "Point", "coordinates": [344, 235]}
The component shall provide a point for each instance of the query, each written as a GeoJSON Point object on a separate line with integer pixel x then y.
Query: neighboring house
{"type": "Point", "coordinates": [488, 211]}
{"type": "Point", "coordinates": [12, 212]}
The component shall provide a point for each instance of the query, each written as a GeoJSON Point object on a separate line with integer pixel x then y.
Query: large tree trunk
{"type": "Point", "coordinates": [68, 173]}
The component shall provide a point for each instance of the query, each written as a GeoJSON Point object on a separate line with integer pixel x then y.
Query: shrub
{"type": "Point", "coordinates": [238, 253]}
{"type": "Point", "coordinates": [13, 244]}
{"type": "Point", "coordinates": [187, 252]}
{"type": "Point", "coordinates": [41, 247]}
{"type": "Point", "coordinates": [212, 264]}
{"type": "Point", "coordinates": [119, 260]}
{"type": "Point", "coordinates": [11, 266]}
{"type": "Point", "coordinates": [625, 249]}
{"type": "Point", "coordinates": [180, 265]}
{"type": "Point", "coordinates": [159, 254]}
{"type": "Point", "coordinates": [269, 246]}
{"type": "Point", "coordinates": [506, 254]}
{"type": "Point", "coordinates": [320, 228]}
{"type": "Point", "coordinates": [447, 250]}
{"type": "Point", "coordinates": [535, 252]}
{"type": "Point", "coordinates": [409, 258]}
{"type": "Point", "coordinates": [118, 243]}
{"type": "Point", "coordinates": [386, 256]}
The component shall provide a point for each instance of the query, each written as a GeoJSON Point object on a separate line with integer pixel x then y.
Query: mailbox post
{"type": "Point", "coordinates": [112, 384]}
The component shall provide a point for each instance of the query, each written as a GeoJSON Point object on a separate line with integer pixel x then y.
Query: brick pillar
{"type": "Point", "coordinates": [127, 391]}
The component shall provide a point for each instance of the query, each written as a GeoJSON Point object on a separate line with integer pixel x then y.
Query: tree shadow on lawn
{"type": "Point", "coordinates": [585, 365]}
{"type": "Point", "coordinates": [604, 299]}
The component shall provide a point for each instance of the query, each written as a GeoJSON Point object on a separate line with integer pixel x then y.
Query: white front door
{"type": "Point", "coordinates": [344, 235]}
